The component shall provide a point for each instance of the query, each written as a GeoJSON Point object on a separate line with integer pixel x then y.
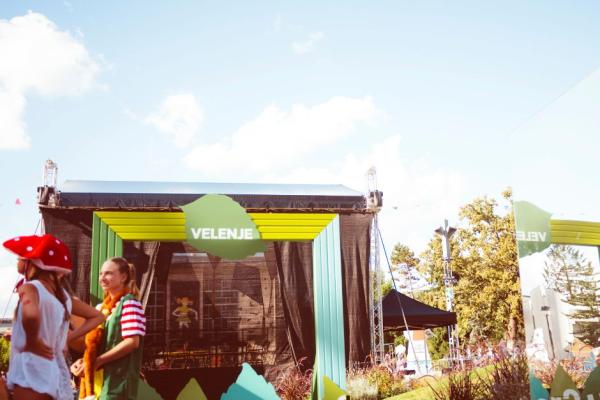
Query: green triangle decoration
{"type": "Point", "coordinates": [537, 390]}
{"type": "Point", "coordinates": [147, 392]}
{"type": "Point", "coordinates": [192, 391]}
{"type": "Point", "coordinates": [250, 386]}
{"type": "Point", "coordinates": [591, 389]}
{"type": "Point", "coordinates": [332, 391]}
{"type": "Point", "coordinates": [562, 385]}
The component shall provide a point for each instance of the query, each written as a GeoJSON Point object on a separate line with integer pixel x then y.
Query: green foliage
{"type": "Point", "coordinates": [461, 386]}
{"type": "Point", "coordinates": [508, 378]}
{"type": "Point", "coordinates": [359, 388]}
{"type": "Point", "coordinates": [568, 272]}
{"type": "Point", "coordinates": [438, 343]}
{"type": "Point", "coordinates": [400, 340]}
{"type": "Point", "coordinates": [402, 254]}
{"type": "Point", "coordinates": [386, 287]}
{"type": "Point", "coordinates": [374, 382]}
{"type": "Point", "coordinates": [4, 354]}
{"type": "Point", "coordinates": [387, 385]}
{"type": "Point", "coordinates": [403, 262]}
{"type": "Point", "coordinates": [484, 262]}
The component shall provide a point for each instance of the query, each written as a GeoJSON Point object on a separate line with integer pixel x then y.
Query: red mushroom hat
{"type": "Point", "coordinates": [46, 251]}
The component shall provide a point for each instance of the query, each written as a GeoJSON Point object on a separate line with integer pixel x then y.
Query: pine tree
{"type": "Point", "coordinates": [568, 272]}
{"type": "Point", "coordinates": [404, 262]}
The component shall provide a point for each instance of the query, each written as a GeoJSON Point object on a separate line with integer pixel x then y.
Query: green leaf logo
{"type": "Point", "coordinates": [216, 224]}
{"type": "Point", "coordinates": [591, 389]}
{"type": "Point", "coordinates": [533, 228]}
{"type": "Point", "coordinates": [563, 386]}
{"type": "Point", "coordinates": [192, 391]}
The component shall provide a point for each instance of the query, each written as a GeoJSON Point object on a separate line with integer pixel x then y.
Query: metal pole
{"type": "Point", "coordinates": [446, 233]}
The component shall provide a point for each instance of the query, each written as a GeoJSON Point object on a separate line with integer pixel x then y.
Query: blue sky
{"type": "Point", "coordinates": [448, 100]}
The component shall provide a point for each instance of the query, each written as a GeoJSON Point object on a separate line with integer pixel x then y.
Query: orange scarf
{"type": "Point", "coordinates": [92, 341]}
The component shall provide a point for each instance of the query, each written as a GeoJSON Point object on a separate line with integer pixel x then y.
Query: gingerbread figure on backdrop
{"type": "Point", "coordinates": [184, 313]}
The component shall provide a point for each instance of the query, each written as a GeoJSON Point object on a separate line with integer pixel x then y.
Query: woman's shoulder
{"type": "Point", "coordinates": [130, 298]}
{"type": "Point", "coordinates": [29, 287]}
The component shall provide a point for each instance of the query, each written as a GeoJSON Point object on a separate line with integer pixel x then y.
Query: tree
{"type": "Point", "coordinates": [4, 354]}
{"type": "Point", "coordinates": [569, 273]}
{"type": "Point", "coordinates": [487, 297]}
{"type": "Point", "coordinates": [402, 254]}
{"type": "Point", "coordinates": [404, 262]}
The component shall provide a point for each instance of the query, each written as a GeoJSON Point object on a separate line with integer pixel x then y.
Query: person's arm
{"type": "Point", "coordinates": [125, 347]}
{"type": "Point", "coordinates": [30, 318]}
{"type": "Point", "coordinates": [92, 316]}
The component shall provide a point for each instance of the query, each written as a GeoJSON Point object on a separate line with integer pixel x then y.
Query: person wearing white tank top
{"type": "Point", "coordinates": [37, 366]}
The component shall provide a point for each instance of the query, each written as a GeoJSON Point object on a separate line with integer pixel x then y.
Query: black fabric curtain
{"type": "Point", "coordinates": [294, 267]}
{"type": "Point", "coordinates": [74, 228]}
{"type": "Point", "coordinates": [356, 239]}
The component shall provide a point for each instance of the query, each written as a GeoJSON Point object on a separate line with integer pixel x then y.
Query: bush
{"type": "Point", "coordinates": [374, 382]}
{"type": "Point", "coordinates": [359, 387]}
{"type": "Point", "coordinates": [4, 354]}
{"type": "Point", "coordinates": [461, 386]}
{"type": "Point", "coordinates": [294, 384]}
{"type": "Point", "coordinates": [509, 378]}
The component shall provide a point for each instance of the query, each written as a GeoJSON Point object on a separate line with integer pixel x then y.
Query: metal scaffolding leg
{"type": "Point", "coordinates": [376, 282]}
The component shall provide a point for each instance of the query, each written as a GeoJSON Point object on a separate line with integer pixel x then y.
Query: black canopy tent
{"type": "Point", "coordinates": [418, 315]}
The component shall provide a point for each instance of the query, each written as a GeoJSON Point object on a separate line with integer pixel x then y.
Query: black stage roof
{"type": "Point", "coordinates": [170, 195]}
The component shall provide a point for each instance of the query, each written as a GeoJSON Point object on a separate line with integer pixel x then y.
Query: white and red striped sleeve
{"type": "Point", "coordinates": [133, 320]}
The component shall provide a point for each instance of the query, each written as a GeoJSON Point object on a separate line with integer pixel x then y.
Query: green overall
{"type": "Point", "coordinates": [121, 376]}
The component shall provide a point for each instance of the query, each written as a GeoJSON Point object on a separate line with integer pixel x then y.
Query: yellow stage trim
{"type": "Point", "coordinates": [170, 226]}
{"type": "Point", "coordinates": [575, 232]}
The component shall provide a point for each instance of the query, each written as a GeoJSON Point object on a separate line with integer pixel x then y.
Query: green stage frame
{"type": "Point", "coordinates": [111, 228]}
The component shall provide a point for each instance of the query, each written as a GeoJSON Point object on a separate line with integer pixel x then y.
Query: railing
{"type": "Point", "coordinates": [209, 348]}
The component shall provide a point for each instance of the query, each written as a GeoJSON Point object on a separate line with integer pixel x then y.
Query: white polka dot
{"type": "Point", "coordinates": [51, 252]}
{"type": "Point", "coordinates": [66, 258]}
{"type": "Point", "coordinates": [57, 241]}
{"type": "Point", "coordinates": [29, 248]}
{"type": "Point", "coordinates": [17, 239]}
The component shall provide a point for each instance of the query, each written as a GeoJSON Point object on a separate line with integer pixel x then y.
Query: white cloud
{"type": "Point", "coordinates": [308, 45]}
{"type": "Point", "coordinates": [12, 133]}
{"type": "Point", "coordinates": [37, 57]}
{"type": "Point", "coordinates": [274, 146]}
{"type": "Point", "coordinates": [277, 138]}
{"type": "Point", "coordinates": [180, 117]}
{"type": "Point", "coordinates": [418, 195]}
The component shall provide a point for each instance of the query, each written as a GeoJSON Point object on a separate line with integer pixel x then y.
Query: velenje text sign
{"type": "Point", "coordinates": [218, 225]}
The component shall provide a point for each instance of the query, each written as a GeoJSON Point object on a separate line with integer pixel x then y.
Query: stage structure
{"type": "Point", "coordinates": [281, 276]}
